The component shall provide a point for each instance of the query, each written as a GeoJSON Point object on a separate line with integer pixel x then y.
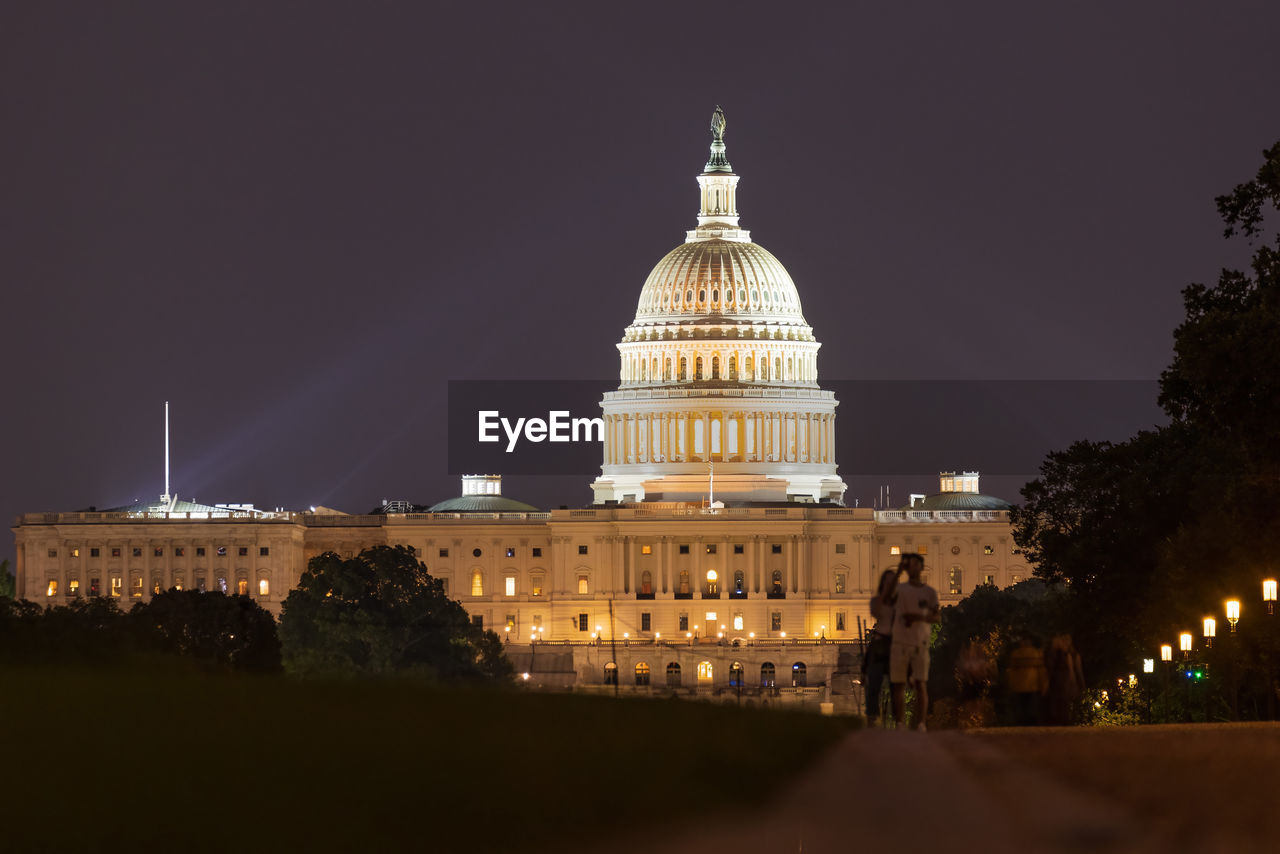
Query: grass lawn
{"type": "Point", "coordinates": [136, 761]}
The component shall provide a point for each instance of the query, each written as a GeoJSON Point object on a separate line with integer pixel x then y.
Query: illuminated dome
{"type": "Point", "coordinates": [724, 281]}
{"type": "Point", "coordinates": [719, 372]}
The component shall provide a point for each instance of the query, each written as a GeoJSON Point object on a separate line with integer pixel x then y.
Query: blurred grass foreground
{"type": "Point", "coordinates": [140, 760]}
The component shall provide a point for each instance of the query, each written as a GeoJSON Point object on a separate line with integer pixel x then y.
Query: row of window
{"type": "Point", "coordinates": [536, 551]}
{"type": "Point", "coordinates": [116, 586]}
{"type": "Point", "coordinates": [582, 622]}
{"type": "Point", "coordinates": [923, 549]}
{"type": "Point", "coordinates": [645, 586]}
{"type": "Point", "coordinates": [158, 551]}
{"type": "Point", "coordinates": [706, 674]}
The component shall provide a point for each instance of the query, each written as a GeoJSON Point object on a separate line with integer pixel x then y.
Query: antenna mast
{"type": "Point", "coordinates": [166, 496]}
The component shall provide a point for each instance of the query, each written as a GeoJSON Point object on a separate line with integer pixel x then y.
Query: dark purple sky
{"type": "Point", "coordinates": [298, 224]}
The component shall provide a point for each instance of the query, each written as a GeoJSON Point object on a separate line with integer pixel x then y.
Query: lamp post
{"type": "Point", "coordinates": [1166, 652]}
{"type": "Point", "coordinates": [1210, 630]}
{"type": "Point", "coordinates": [1233, 613]}
{"type": "Point", "coordinates": [1269, 594]}
{"type": "Point", "coordinates": [1184, 644]}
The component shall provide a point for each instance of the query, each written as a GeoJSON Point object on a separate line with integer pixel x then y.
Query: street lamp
{"type": "Point", "coordinates": [1233, 612]}
{"type": "Point", "coordinates": [1166, 652]}
{"type": "Point", "coordinates": [1210, 630]}
{"type": "Point", "coordinates": [1269, 594]}
{"type": "Point", "coordinates": [1184, 644]}
{"type": "Point", "coordinates": [1148, 665]}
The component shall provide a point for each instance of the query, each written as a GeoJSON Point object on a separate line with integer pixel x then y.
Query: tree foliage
{"type": "Point", "coordinates": [380, 613]}
{"type": "Point", "coordinates": [211, 628]}
{"type": "Point", "coordinates": [1155, 532]}
{"type": "Point", "coordinates": [7, 581]}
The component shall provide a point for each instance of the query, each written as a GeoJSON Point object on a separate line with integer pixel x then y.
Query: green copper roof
{"type": "Point", "coordinates": [482, 504]}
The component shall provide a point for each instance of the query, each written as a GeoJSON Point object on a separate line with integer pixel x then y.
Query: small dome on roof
{"type": "Point", "coordinates": [958, 491]}
{"type": "Point", "coordinates": [482, 493]}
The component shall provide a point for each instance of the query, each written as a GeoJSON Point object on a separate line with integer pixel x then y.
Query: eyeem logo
{"type": "Point", "coordinates": [557, 427]}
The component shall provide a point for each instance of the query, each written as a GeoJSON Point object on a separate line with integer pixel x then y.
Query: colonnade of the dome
{"type": "Point", "coordinates": [711, 362]}
{"type": "Point", "coordinates": [721, 435]}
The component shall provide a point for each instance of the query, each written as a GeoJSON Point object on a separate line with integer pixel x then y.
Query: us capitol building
{"type": "Point", "coordinates": [716, 560]}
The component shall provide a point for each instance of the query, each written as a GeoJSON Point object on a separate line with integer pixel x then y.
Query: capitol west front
{"type": "Point", "coordinates": [762, 594]}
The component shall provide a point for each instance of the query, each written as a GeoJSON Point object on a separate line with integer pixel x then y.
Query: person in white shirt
{"type": "Point", "coordinates": [916, 609]}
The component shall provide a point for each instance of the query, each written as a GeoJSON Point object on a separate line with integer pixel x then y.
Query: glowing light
{"type": "Point", "coordinates": [1166, 652]}
{"type": "Point", "coordinates": [1148, 665]}
{"type": "Point", "coordinates": [1210, 627]}
{"type": "Point", "coordinates": [1133, 680]}
{"type": "Point", "coordinates": [1184, 641]}
{"type": "Point", "coordinates": [524, 676]}
{"type": "Point", "coordinates": [1233, 612]}
{"type": "Point", "coordinates": [783, 634]}
{"type": "Point", "coordinates": [657, 635]}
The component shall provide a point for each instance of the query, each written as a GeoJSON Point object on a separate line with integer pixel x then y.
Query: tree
{"type": "Point", "coordinates": [1154, 532]}
{"type": "Point", "coordinates": [209, 628]}
{"type": "Point", "coordinates": [381, 613]}
{"type": "Point", "coordinates": [7, 581]}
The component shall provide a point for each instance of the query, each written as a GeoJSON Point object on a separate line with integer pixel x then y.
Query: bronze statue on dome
{"type": "Point", "coordinates": [717, 124]}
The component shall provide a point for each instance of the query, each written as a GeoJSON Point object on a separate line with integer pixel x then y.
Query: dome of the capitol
{"type": "Point", "coordinates": [727, 280]}
{"type": "Point", "coordinates": [957, 491]}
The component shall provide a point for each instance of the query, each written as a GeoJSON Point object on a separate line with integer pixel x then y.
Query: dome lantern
{"type": "Point", "coordinates": [718, 217]}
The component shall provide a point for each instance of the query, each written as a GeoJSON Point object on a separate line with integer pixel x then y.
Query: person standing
{"type": "Point", "coordinates": [1066, 679]}
{"type": "Point", "coordinates": [916, 609]}
{"type": "Point", "coordinates": [875, 663]}
{"type": "Point", "coordinates": [1028, 681]}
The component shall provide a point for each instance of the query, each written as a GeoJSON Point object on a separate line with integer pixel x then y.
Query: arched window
{"type": "Point", "coordinates": [611, 674]}
{"type": "Point", "coordinates": [777, 581]}
{"type": "Point", "coordinates": [704, 673]}
{"type": "Point", "coordinates": [642, 674]}
{"type": "Point", "coordinates": [264, 587]}
{"type": "Point", "coordinates": [715, 295]}
{"type": "Point", "coordinates": [739, 581]}
{"type": "Point", "coordinates": [733, 368]}
{"type": "Point", "coordinates": [643, 371]}
{"type": "Point", "coordinates": [715, 367]}
{"type": "Point", "coordinates": [673, 675]}
{"type": "Point", "coordinates": [713, 583]}
{"type": "Point", "coordinates": [646, 582]}
{"type": "Point", "coordinates": [799, 677]}
{"type": "Point", "coordinates": [697, 367]}
{"type": "Point", "coordinates": [684, 369]}
{"type": "Point", "coordinates": [477, 583]}
{"type": "Point", "coordinates": [777, 369]}
{"type": "Point", "coordinates": [242, 587]}
{"type": "Point", "coordinates": [684, 581]}
{"type": "Point", "coordinates": [767, 675]}
{"type": "Point", "coordinates": [666, 371]}
{"type": "Point", "coordinates": [764, 370]}
{"type": "Point", "coordinates": [736, 675]}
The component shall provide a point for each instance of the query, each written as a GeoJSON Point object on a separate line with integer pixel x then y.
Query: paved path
{"type": "Point", "coordinates": [968, 794]}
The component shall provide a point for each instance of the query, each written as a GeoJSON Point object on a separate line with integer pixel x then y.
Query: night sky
{"type": "Point", "coordinates": [297, 223]}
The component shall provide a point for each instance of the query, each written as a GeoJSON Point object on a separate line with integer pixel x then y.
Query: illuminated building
{"type": "Point", "coordinates": [655, 584]}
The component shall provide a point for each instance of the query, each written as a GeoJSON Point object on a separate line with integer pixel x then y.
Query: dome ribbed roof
{"type": "Point", "coordinates": [960, 501]}
{"type": "Point", "coordinates": [482, 504]}
{"type": "Point", "coordinates": [722, 279]}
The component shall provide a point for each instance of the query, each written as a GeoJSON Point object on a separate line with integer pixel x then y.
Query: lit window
{"type": "Point", "coordinates": [242, 587]}
{"type": "Point", "coordinates": [73, 587]}
{"type": "Point", "coordinates": [713, 583]}
{"type": "Point", "coordinates": [646, 550]}
{"type": "Point", "coordinates": [511, 585]}
{"type": "Point", "coordinates": [536, 584]}
{"type": "Point", "coordinates": [584, 585]}
{"type": "Point", "coordinates": [264, 587]}
{"type": "Point", "coordinates": [117, 585]}
{"type": "Point", "coordinates": [511, 552]}
{"type": "Point", "coordinates": [222, 584]}
{"type": "Point", "coordinates": [840, 621]}
{"type": "Point", "coordinates": [737, 622]}
{"type": "Point", "coordinates": [988, 550]}
{"type": "Point", "coordinates": [839, 548]}
{"type": "Point", "coordinates": [177, 582]}
{"type": "Point", "coordinates": [711, 548]}
{"type": "Point", "coordinates": [642, 674]}
{"type": "Point", "coordinates": [739, 581]}
{"type": "Point", "coordinates": [840, 582]}
{"type": "Point", "coordinates": [922, 549]}
{"type": "Point", "coordinates": [136, 593]}
{"type": "Point", "coordinates": [264, 551]}
{"type": "Point", "coordinates": [768, 675]}
{"type": "Point", "coordinates": [201, 585]}
{"type": "Point", "coordinates": [895, 550]}
{"type": "Point", "coordinates": [704, 672]}
{"type": "Point", "coordinates": [477, 583]}
{"type": "Point", "coordinates": [1017, 578]}
{"type": "Point", "coordinates": [582, 550]}
{"type": "Point", "coordinates": [52, 589]}
{"type": "Point", "coordinates": [711, 620]}
{"type": "Point", "coordinates": [989, 578]}
{"type": "Point", "coordinates": [444, 552]}
{"type": "Point", "coordinates": [75, 553]}
{"type": "Point", "coordinates": [93, 552]}
{"type": "Point", "coordinates": [156, 587]}
{"type": "Point", "coordinates": [511, 621]}
{"type": "Point", "coordinates": [537, 552]}
{"type": "Point", "coordinates": [775, 621]}
{"type": "Point", "coordinates": [955, 579]}
{"type": "Point", "coordinates": [646, 621]}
